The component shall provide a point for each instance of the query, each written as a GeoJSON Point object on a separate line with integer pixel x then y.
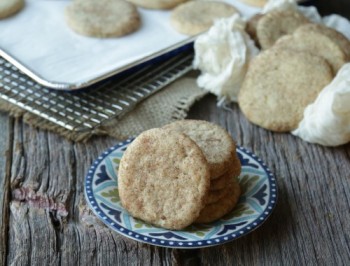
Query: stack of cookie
{"type": "Point", "coordinates": [298, 60]}
{"type": "Point", "coordinates": [183, 173]}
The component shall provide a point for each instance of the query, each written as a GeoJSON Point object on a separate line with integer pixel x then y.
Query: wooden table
{"type": "Point", "coordinates": [44, 219]}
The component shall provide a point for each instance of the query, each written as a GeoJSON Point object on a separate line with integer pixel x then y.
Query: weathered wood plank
{"type": "Point", "coordinates": [5, 163]}
{"type": "Point", "coordinates": [309, 225]}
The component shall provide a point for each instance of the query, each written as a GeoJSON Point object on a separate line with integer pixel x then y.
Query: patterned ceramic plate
{"type": "Point", "coordinates": [259, 195]}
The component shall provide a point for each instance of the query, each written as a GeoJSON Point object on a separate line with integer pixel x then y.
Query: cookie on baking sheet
{"type": "Point", "coordinates": [10, 7]}
{"type": "Point", "coordinates": [257, 3]}
{"type": "Point", "coordinates": [336, 36]}
{"type": "Point", "coordinates": [163, 179]}
{"type": "Point", "coordinates": [275, 24]}
{"type": "Point", "coordinates": [279, 84]}
{"type": "Point", "coordinates": [195, 17]}
{"type": "Point", "coordinates": [215, 142]}
{"type": "Point", "coordinates": [157, 4]}
{"type": "Point", "coordinates": [103, 18]}
{"type": "Point", "coordinates": [215, 211]}
{"type": "Point", "coordinates": [315, 43]}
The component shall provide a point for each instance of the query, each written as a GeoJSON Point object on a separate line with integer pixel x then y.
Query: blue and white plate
{"type": "Point", "coordinates": [259, 196]}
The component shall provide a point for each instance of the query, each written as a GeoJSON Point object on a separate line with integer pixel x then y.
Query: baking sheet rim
{"type": "Point", "coordinates": [76, 86]}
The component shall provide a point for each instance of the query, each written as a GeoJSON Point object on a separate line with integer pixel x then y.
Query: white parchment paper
{"type": "Point", "coordinates": [39, 38]}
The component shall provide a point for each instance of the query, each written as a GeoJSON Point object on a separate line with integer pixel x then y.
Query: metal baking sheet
{"type": "Point", "coordinates": [39, 43]}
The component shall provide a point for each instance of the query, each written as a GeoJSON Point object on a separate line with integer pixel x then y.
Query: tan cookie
{"type": "Point", "coordinates": [163, 179]}
{"type": "Point", "coordinates": [336, 36]}
{"type": "Point", "coordinates": [279, 84]}
{"type": "Point", "coordinates": [216, 195]}
{"type": "Point", "coordinates": [275, 24]}
{"type": "Point", "coordinates": [215, 211]}
{"type": "Point", "coordinates": [10, 7]}
{"type": "Point", "coordinates": [215, 142]}
{"type": "Point", "coordinates": [258, 3]}
{"type": "Point", "coordinates": [157, 4]}
{"type": "Point", "coordinates": [103, 18]}
{"type": "Point", "coordinates": [250, 28]}
{"type": "Point", "coordinates": [315, 43]}
{"type": "Point", "coordinates": [332, 34]}
{"type": "Point", "coordinates": [195, 17]}
{"type": "Point", "coordinates": [222, 181]}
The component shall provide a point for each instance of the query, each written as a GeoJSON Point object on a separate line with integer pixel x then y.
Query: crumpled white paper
{"type": "Point", "coordinates": [222, 54]}
{"type": "Point", "coordinates": [327, 120]}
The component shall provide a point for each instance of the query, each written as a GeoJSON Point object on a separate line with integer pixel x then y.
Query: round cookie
{"type": "Point", "coordinates": [163, 179]}
{"type": "Point", "coordinates": [215, 142]}
{"type": "Point", "coordinates": [195, 17]}
{"type": "Point", "coordinates": [275, 24]}
{"type": "Point", "coordinates": [103, 18]}
{"type": "Point", "coordinates": [216, 195]}
{"type": "Point", "coordinates": [250, 27]}
{"type": "Point", "coordinates": [233, 172]}
{"type": "Point", "coordinates": [315, 43]}
{"type": "Point", "coordinates": [336, 36]}
{"type": "Point", "coordinates": [215, 211]}
{"type": "Point", "coordinates": [157, 4]}
{"type": "Point", "coordinates": [10, 7]}
{"type": "Point", "coordinates": [258, 3]}
{"type": "Point", "coordinates": [279, 84]}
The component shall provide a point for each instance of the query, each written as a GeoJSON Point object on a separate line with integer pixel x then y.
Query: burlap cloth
{"type": "Point", "coordinates": [169, 104]}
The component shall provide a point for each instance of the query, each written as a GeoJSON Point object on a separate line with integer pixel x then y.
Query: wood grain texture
{"type": "Point", "coordinates": [44, 219]}
{"type": "Point", "coordinates": [5, 163]}
{"type": "Point", "coordinates": [309, 225]}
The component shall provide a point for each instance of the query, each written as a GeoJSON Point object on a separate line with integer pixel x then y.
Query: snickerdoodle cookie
{"type": "Point", "coordinates": [164, 179]}
{"type": "Point", "coordinates": [103, 18]}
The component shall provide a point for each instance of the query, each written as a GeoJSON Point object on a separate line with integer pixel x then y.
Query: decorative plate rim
{"type": "Point", "coordinates": [185, 244]}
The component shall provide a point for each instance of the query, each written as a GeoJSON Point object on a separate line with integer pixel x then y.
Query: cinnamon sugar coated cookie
{"type": "Point", "coordinates": [216, 210]}
{"type": "Point", "coordinates": [195, 17]}
{"type": "Point", "coordinates": [336, 36]}
{"type": "Point", "coordinates": [10, 7]}
{"type": "Point", "coordinates": [216, 195]}
{"type": "Point", "coordinates": [215, 142]}
{"type": "Point", "coordinates": [275, 24]}
{"type": "Point", "coordinates": [103, 18]}
{"type": "Point", "coordinates": [250, 28]}
{"type": "Point", "coordinates": [164, 179]}
{"type": "Point", "coordinates": [157, 4]}
{"type": "Point", "coordinates": [257, 3]}
{"type": "Point", "coordinates": [279, 84]}
{"type": "Point", "coordinates": [315, 43]}
{"type": "Point", "coordinates": [233, 171]}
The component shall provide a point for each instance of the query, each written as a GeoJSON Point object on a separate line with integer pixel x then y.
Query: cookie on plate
{"type": "Point", "coordinates": [275, 24]}
{"type": "Point", "coordinates": [10, 7]}
{"type": "Point", "coordinates": [103, 18]}
{"type": "Point", "coordinates": [216, 195]}
{"type": "Point", "coordinates": [222, 181]}
{"type": "Point", "coordinates": [279, 84]}
{"type": "Point", "coordinates": [315, 43]}
{"type": "Point", "coordinates": [194, 17]}
{"type": "Point", "coordinates": [215, 142]}
{"type": "Point", "coordinates": [164, 179]}
{"type": "Point", "coordinates": [217, 210]}
{"type": "Point", "coordinates": [157, 4]}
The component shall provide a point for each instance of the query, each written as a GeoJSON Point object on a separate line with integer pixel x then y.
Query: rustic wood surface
{"type": "Point", "coordinates": [44, 219]}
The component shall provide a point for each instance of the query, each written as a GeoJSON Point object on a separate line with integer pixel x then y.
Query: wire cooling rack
{"type": "Point", "coordinates": [86, 109]}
